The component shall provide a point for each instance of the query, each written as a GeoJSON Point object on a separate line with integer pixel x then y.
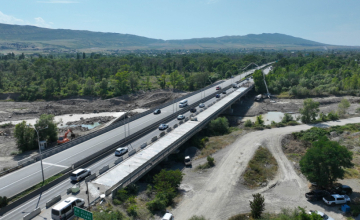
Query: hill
{"type": "Point", "coordinates": [31, 38]}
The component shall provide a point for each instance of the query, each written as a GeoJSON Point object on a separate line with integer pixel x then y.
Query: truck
{"type": "Point", "coordinates": [187, 161]}
{"type": "Point", "coordinates": [317, 194]}
{"type": "Point", "coordinates": [168, 216]}
{"type": "Point", "coordinates": [336, 199]}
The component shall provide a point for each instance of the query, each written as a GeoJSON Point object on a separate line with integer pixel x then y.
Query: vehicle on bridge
{"type": "Point", "coordinates": [65, 209]}
{"type": "Point", "coordinates": [224, 92]}
{"type": "Point", "coordinates": [201, 105]}
{"type": "Point", "coordinates": [80, 174]}
{"type": "Point", "coordinates": [157, 111]}
{"type": "Point", "coordinates": [183, 103]}
{"type": "Point", "coordinates": [217, 96]}
{"type": "Point", "coordinates": [193, 110]}
{"type": "Point", "coordinates": [218, 87]}
{"type": "Point", "coordinates": [180, 117]}
{"type": "Point", "coordinates": [163, 127]}
{"type": "Point", "coordinates": [121, 151]}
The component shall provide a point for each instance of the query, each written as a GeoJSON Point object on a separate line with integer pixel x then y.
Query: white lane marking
{"type": "Point", "coordinates": [57, 165]}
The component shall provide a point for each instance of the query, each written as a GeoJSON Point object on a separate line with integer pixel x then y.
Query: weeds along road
{"type": "Point", "coordinates": [219, 194]}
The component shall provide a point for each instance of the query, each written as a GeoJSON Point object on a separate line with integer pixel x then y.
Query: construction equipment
{"type": "Point", "coordinates": [64, 139]}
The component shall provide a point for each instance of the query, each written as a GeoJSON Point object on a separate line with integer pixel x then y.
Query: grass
{"type": "Point", "coordinates": [217, 143]}
{"type": "Point", "coordinates": [33, 188]}
{"type": "Point", "coordinates": [261, 168]}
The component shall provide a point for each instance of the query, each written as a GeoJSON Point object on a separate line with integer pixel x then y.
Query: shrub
{"type": "Point", "coordinates": [333, 116]}
{"type": "Point", "coordinates": [122, 195]}
{"type": "Point", "coordinates": [132, 210]}
{"type": "Point", "coordinates": [211, 161]}
{"type": "Point", "coordinates": [117, 202]}
{"type": "Point", "coordinates": [156, 204]}
{"type": "Point", "coordinates": [259, 120]}
{"type": "Point", "coordinates": [219, 126]}
{"type": "Point", "coordinates": [248, 123]}
{"type": "Point", "coordinates": [292, 123]}
{"type": "Point", "coordinates": [287, 118]}
{"type": "Point", "coordinates": [3, 201]}
{"type": "Point", "coordinates": [322, 117]}
{"type": "Point", "coordinates": [132, 189]}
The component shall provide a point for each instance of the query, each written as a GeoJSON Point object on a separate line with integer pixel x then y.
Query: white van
{"type": "Point", "coordinates": [65, 209]}
{"type": "Point", "coordinates": [183, 103]}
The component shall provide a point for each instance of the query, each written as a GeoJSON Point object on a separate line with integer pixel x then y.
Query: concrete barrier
{"type": "Point", "coordinates": [132, 152]}
{"type": "Point", "coordinates": [201, 110]}
{"type": "Point", "coordinates": [181, 122]}
{"type": "Point", "coordinates": [175, 126]}
{"type": "Point", "coordinates": [162, 134]}
{"type": "Point", "coordinates": [119, 160]}
{"type": "Point", "coordinates": [143, 145]}
{"type": "Point", "coordinates": [154, 139]}
{"type": "Point", "coordinates": [68, 191]}
{"type": "Point", "coordinates": [32, 214]}
{"type": "Point", "coordinates": [169, 130]}
{"type": "Point", "coordinates": [104, 169]}
{"type": "Point", "coordinates": [53, 201]}
{"type": "Point", "coordinates": [187, 119]}
{"type": "Point", "coordinates": [91, 177]}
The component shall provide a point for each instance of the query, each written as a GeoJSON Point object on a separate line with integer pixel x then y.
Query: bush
{"type": "Point", "coordinates": [219, 126]}
{"type": "Point", "coordinates": [248, 123]}
{"type": "Point", "coordinates": [322, 117]}
{"type": "Point", "coordinates": [122, 195]}
{"type": "Point", "coordinates": [333, 116]}
{"type": "Point", "coordinates": [292, 123]}
{"type": "Point", "coordinates": [259, 121]}
{"type": "Point", "coordinates": [157, 204]}
{"type": "Point", "coordinates": [257, 205]}
{"type": "Point", "coordinates": [211, 161]}
{"type": "Point", "coordinates": [287, 118]}
{"type": "Point", "coordinates": [132, 210]}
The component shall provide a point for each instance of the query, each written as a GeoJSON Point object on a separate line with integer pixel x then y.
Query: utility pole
{"type": "Point", "coordinates": [42, 168]}
{"type": "Point", "coordinates": [87, 190]}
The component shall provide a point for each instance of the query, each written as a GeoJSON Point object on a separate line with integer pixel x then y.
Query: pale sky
{"type": "Point", "coordinates": [326, 21]}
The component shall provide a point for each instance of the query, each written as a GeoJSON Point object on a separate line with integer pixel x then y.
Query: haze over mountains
{"type": "Point", "coordinates": [31, 38]}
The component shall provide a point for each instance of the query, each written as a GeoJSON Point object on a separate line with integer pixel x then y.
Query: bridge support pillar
{"type": "Point", "coordinates": [228, 111]}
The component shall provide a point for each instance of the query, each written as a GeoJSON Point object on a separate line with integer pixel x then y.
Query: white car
{"type": "Point", "coordinates": [80, 174]}
{"type": "Point", "coordinates": [180, 117]}
{"type": "Point", "coordinates": [201, 105]}
{"type": "Point", "coordinates": [336, 199]}
{"type": "Point", "coordinates": [323, 215]}
{"type": "Point", "coordinates": [121, 151]}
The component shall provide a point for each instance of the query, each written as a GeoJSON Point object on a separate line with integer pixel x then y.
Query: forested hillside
{"type": "Point", "coordinates": [314, 75]}
{"type": "Point", "coordinates": [48, 77]}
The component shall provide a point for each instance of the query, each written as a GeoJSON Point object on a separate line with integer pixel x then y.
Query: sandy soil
{"type": "Point", "coordinates": [218, 193]}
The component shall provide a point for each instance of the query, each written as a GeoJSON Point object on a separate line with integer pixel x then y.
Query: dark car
{"type": "Point", "coordinates": [217, 96]}
{"type": "Point", "coordinates": [341, 189]}
{"type": "Point", "coordinates": [317, 194]}
{"type": "Point", "coordinates": [157, 111]}
{"type": "Point", "coordinates": [180, 117]}
{"type": "Point", "coordinates": [224, 92]}
{"type": "Point", "coordinates": [163, 127]}
{"type": "Point", "coordinates": [193, 110]}
{"type": "Point", "coordinates": [218, 87]}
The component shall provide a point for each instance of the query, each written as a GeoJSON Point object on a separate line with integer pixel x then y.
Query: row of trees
{"type": "Point", "coordinates": [313, 75]}
{"type": "Point", "coordinates": [48, 77]}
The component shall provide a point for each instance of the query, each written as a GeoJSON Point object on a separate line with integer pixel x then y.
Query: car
{"type": "Point", "coordinates": [201, 105]}
{"type": "Point", "coordinates": [80, 174]}
{"type": "Point", "coordinates": [121, 151]}
{"type": "Point", "coordinates": [317, 194]}
{"type": "Point", "coordinates": [187, 161]}
{"type": "Point", "coordinates": [336, 199]}
{"type": "Point", "coordinates": [217, 96]}
{"type": "Point", "coordinates": [163, 127]}
{"type": "Point", "coordinates": [157, 111]}
{"type": "Point", "coordinates": [341, 189]}
{"type": "Point", "coordinates": [168, 216]}
{"type": "Point", "coordinates": [234, 85]}
{"type": "Point", "coordinates": [224, 92]}
{"type": "Point", "coordinates": [218, 87]}
{"type": "Point", "coordinates": [193, 118]}
{"type": "Point", "coordinates": [193, 110]}
{"type": "Point", "coordinates": [323, 215]}
{"type": "Point", "coordinates": [180, 117]}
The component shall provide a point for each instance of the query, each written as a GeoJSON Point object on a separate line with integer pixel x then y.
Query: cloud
{"type": "Point", "coordinates": [39, 22]}
{"type": "Point", "coordinates": [58, 2]}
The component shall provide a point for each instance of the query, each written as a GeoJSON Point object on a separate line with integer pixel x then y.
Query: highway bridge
{"type": "Point", "coordinates": [96, 153]}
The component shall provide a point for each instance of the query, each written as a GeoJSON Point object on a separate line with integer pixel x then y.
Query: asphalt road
{"type": "Point", "coordinates": [20, 180]}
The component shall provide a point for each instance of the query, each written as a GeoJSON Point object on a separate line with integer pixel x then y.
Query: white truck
{"type": "Point", "coordinates": [336, 199]}
{"type": "Point", "coordinates": [168, 216]}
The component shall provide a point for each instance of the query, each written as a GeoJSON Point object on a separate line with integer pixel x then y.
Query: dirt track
{"type": "Point", "coordinates": [219, 194]}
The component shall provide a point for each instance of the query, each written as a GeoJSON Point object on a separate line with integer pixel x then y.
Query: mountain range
{"type": "Point", "coordinates": [31, 38]}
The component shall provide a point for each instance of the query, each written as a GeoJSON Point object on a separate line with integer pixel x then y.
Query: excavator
{"type": "Point", "coordinates": [64, 139]}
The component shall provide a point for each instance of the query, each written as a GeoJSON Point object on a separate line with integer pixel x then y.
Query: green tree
{"type": "Point", "coordinates": [25, 137]}
{"type": "Point", "coordinates": [50, 133]}
{"type": "Point", "coordinates": [248, 123]}
{"type": "Point", "coordinates": [162, 81]}
{"type": "Point", "coordinates": [259, 82]}
{"type": "Point", "coordinates": [72, 87]}
{"type": "Point", "coordinates": [309, 111]}
{"type": "Point", "coordinates": [210, 161]}
{"type": "Point", "coordinates": [89, 87]}
{"type": "Point", "coordinates": [259, 120]}
{"type": "Point", "coordinates": [173, 177]}
{"type": "Point", "coordinates": [122, 82]}
{"type": "Point", "coordinates": [111, 215]}
{"type": "Point", "coordinates": [343, 107]}
{"type": "Point", "coordinates": [103, 88]}
{"type": "Point", "coordinates": [257, 206]}
{"type": "Point", "coordinates": [148, 83]}
{"type": "Point", "coordinates": [325, 161]}
{"type": "Point", "coordinates": [219, 126]}
{"type": "Point", "coordinates": [287, 117]}
{"type": "Point", "coordinates": [50, 85]}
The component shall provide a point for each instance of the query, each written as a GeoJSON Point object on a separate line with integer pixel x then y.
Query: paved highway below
{"type": "Point", "coordinates": [20, 180]}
